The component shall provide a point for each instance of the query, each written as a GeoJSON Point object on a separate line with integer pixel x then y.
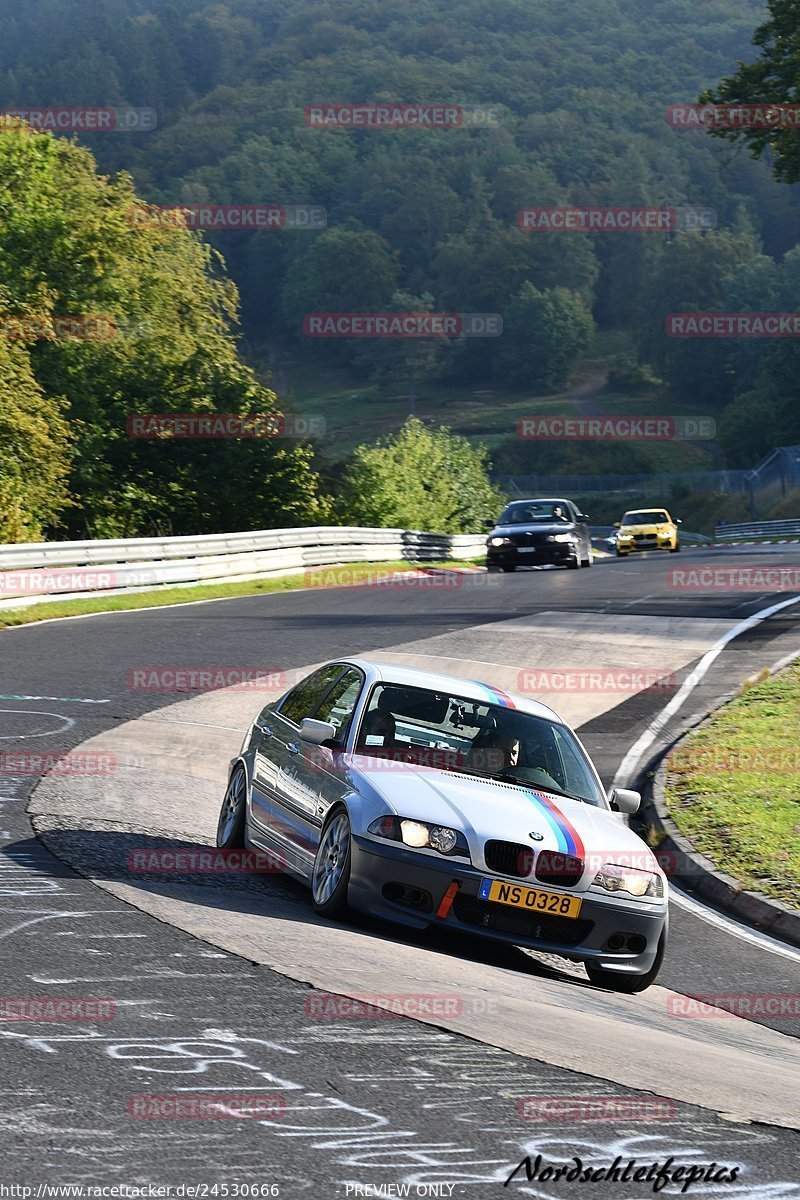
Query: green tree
{"type": "Point", "coordinates": [34, 451]}
{"type": "Point", "coordinates": [69, 246]}
{"type": "Point", "coordinates": [774, 78]}
{"type": "Point", "coordinates": [543, 334]}
{"type": "Point", "coordinates": [419, 478]}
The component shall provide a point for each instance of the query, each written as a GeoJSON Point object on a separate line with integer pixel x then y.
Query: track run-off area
{"type": "Point", "coordinates": [211, 976]}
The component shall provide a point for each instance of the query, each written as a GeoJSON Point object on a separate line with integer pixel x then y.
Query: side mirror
{"type": "Point", "coordinates": [622, 800]}
{"type": "Point", "coordinates": [617, 525]}
{"type": "Point", "coordinates": [678, 521]}
{"type": "Point", "coordinates": [582, 517]}
{"type": "Point", "coordinates": [316, 732]}
{"type": "Point", "coordinates": [489, 524]}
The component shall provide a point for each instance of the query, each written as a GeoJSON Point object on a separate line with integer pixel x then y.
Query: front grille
{"type": "Point", "coordinates": [563, 870]}
{"type": "Point", "coordinates": [529, 539]}
{"type": "Point", "coordinates": [644, 537]}
{"type": "Point", "coordinates": [484, 914]}
{"type": "Point", "coordinates": [508, 858]}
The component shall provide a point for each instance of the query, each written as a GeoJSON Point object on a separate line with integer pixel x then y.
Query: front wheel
{"type": "Point", "coordinates": [589, 561]}
{"type": "Point", "coordinates": [512, 567]}
{"type": "Point", "coordinates": [574, 563]}
{"type": "Point", "coordinates": [674, 549]}
{"type": "Point", "coordinates": [630, 984]}
{"type": "Point", "coordinates": [621, 553]}
{"type": "Point", "coordinates": [331, 874]}
{"type": "Point", "coordinates": [230, 827]}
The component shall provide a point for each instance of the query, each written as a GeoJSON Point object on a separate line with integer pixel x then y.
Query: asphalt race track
{"type": "Point", "coordinates": [210, 981]}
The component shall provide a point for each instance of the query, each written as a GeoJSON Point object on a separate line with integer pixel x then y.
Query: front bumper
{"type": "Point", "coordinates": [549, 553]}
{"type": "Point", "coordinates": [657, 544]}
{"type": "Point", "coordinates": [401, 885]}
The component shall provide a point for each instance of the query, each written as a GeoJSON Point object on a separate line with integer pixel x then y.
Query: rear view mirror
{"type": "Point", "coordinates": [317, 732]}
{"type": "Point", "coordinates": [623, 800]}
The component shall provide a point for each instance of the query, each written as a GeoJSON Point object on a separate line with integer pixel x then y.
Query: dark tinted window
{"type": "Point", "coordinates": [338, 705]}
{"type": "Point", "coordinates": [303, 699]}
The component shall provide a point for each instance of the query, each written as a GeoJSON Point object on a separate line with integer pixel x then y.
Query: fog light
{"type": "Point", "coordinates": [442, 839]}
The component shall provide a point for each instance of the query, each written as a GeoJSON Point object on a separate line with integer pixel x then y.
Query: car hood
{"type": "Point", "coordinates": [534, 527]}
{"type": "Point", "coordinates": [484, 810]}
{"type": "Point", "coordinates": [661, 527]}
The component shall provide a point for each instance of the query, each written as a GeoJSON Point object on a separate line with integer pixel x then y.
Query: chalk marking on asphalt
{"type": "Point", "coordinates": [34, 712]}
{"type": "Point", "coordinates": [643, 743]}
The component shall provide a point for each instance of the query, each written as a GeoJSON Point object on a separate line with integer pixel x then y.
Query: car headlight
{"type": "Point", "coordinates": [420, 835]}
{"type": "Point", "coordinates": [559, 537]}
{"type": "Point", "coordinates": [613, 878]}
{"type": "Point", "coordinates": [499, 541]}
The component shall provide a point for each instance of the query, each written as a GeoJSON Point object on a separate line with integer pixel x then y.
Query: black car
{"type": "Point", "coordinates": [537, 532]}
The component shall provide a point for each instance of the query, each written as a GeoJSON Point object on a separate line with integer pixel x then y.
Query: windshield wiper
{"type": "Point", "coordinates": [506, 777]}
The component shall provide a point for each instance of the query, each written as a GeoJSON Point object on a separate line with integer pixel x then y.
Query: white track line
{"type": "Point", "coordinates": [631, 760]}
{"type": "Point", "coordinates": [637, 750]}
{"type": "Point", "coordinates": [711, 917]}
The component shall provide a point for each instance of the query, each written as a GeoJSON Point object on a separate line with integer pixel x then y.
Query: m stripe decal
{"type": "Point", "coordinates": [567, 837]}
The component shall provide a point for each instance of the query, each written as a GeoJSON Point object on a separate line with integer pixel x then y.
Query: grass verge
{"type": "Point", "coordinates": [732, 787]}
{"type": "Point", "coordinates": [157, 597]}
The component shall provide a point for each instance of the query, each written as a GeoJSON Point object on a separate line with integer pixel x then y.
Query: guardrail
{"type": "Point", "coordinates": [757, 529]}
{"type": "Point", "coordinates": [601, 532]}
{"type": "Point", "coordinates": [35, 573]}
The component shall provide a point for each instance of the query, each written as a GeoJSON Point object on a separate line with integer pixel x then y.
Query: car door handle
{"type": "Point", "coordinates": [293, 747]}
{"type": "Point", "coordinates": [264, 730]}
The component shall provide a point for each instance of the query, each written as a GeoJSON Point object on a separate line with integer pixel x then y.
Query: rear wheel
{"type": "Point", "coordinates": [331, 874]}
{"type": "Point", "coordinates": [230, 827]}
{"type": "Point", "coordinates": [630, 984]}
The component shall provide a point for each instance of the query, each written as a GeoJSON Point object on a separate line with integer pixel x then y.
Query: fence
{"type": "Point", "coordinates": [757, 529]}
{"type": "Point", "coordinates": [659, 486]}
{"type": "Point", "coordinates": [773, 477]}
{"type": "Point", "coordinates": [45, 571]}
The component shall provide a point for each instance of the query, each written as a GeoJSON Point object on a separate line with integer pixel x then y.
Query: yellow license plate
{"type": "Point", "coordinates": [530, 898]}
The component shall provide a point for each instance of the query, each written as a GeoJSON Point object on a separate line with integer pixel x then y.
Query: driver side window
{"type": "Point", "coordinates": [304, 698]}
{"type": "Point", "coordinates": [338, 705]}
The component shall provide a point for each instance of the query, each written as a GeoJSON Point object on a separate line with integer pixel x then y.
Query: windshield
{"type": "Point", "coordinates": [531, 511]}
{"type": "Point", "coordinates": [656, 517]}
{"type": "Point", "coordinates": [448, 732]}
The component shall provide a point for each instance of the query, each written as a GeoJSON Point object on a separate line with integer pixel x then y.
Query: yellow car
{"type": "Point", "coordinates": [647, 529]}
